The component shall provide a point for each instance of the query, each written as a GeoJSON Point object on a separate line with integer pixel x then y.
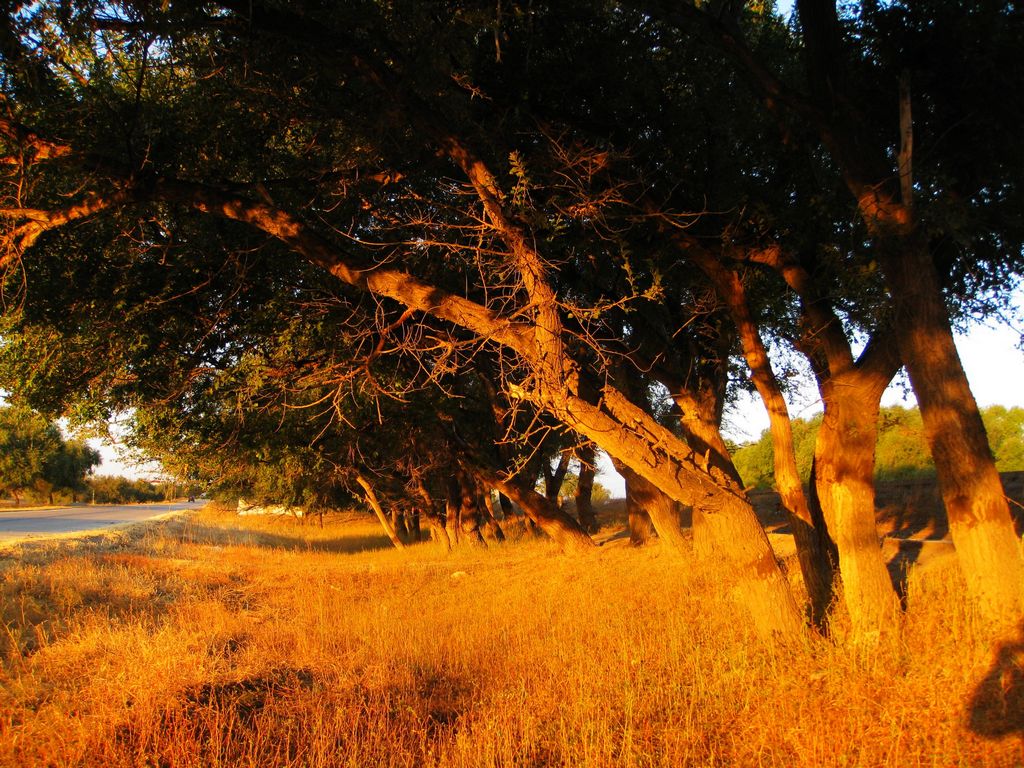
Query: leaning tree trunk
{"type": "Point", "coordinates": [979, 516]}
{"type": "Point", "coordinates": [374, 502]}
{"type": "Point", "coordinates": [815, 550]}
{"type": "Point", "coordinates": [627, 433]}
{"type": "Point", "coordinates": [609, 419]}
{"type": "Point", "coordinates": [491, 526]}
{"type": "Point", "coordinates": [562, 528]}
{"type": "Point", "coordinates": [659, 509]}
{"type": "Point", "coordinates": [437, 529]}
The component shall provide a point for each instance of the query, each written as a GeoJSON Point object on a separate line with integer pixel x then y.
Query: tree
{"type": "Point", "coordinates": [70, 465]}
{"type": "Point", "coordinates": [27, 443]}
{"type": "Point", "coordinates": [845, 58]}
{"type": "Point", "coordinates": [576, 227]}
{"type": "Point", "coordinates": [34, 455]}
{"type": "Point", "coordinates": [516, 273]}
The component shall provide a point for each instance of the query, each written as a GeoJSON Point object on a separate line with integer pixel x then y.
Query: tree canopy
{"type": "Point", "coordinates": [35, 458]}
{"type": "Point", "coordinates": [322, 236]}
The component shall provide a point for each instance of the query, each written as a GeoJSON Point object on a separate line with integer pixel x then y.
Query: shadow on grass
{"type": "Point", "coordinates": [296, 716]}
{"type": "Point", "coordinates": [997, 706]}
{"type": "Point", "coordinates": [193, 533]}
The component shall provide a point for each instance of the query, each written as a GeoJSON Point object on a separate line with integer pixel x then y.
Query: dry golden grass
{"type": "Point", "coordinates": [220, 641]}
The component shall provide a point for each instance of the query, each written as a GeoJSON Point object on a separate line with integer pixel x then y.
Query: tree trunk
{"type": "Point", "coordinates": [437, 529]}
{"type": "Point", "coordinates": [415, 533]}
{"type": "Point", "coordinates": [506, 506]}
{"type": "Point", "coordinates": [979, 516]}
{"type": "Point", "coordinates": [470, 510]}
{"type": "Point", "coordinates": [629, 434]}
{"type": "Point", "coordinates": [398, 524]}
{"type": "Point", "coordinates": [815, 550]}
{"type": "Point", "coordinates": [491, 526]}
{"type": "Point", "coordinates": [584, 489]}
{"type": "Point", "coordinates": [371, 499]}
{"type": "Point", "coordinates": [844, 463]}
{"type": "Point", "coordinates": [565, 531]}
{"type": "Point", "coordinates": [641, 527]}
{"type": "Point", "coordinates": [658, 510]}
{"type": "Point", "coordinates": [453, 511]}
{"type": "Point", "coordinates": [553, 479]}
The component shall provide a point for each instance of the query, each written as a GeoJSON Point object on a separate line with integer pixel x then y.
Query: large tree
{"type": "Point", "coordinates": [370, 182]}
{"type": "Point", "coordinates": [472, 176]}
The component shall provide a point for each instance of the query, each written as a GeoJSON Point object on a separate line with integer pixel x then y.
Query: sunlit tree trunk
{"type": "Point", "coordinates": [641, 527]}
{"type": "Point", "coordinates": [979, 516]}
{"type": "Point", "coordinates": [815, 549]}
{"type": "Point", "coordinates": [374, 503]}
{"type": "Point", "coordinates": [562, 528]}
{"type": "Point", "coordinates": [844, 463]}
{"type": "Point", "coordinates": [651, 511]}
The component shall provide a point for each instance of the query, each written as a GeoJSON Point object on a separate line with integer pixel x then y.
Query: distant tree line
{"type": "Point", "coordinates": [111, 489]}
{"type": "Point", "coordinates": [900, 454]}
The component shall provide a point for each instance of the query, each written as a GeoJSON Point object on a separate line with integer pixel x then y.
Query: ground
{"type": "Point", "coordinates": [213, 640]}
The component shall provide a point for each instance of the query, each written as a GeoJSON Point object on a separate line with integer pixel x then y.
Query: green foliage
{"type": "Point", "coordinates": [755, 461]}
{"type": "Point", "coordinates": [247, 363]}
{"type": "Point", "coordinates": [901, 451]}
{"type": "Point", "coordinates": [109, 489]}
{"type": "Point", "coordinates": [35, 458]}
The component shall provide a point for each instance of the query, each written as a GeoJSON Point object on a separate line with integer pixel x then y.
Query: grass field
{"type": "Point", "coordinates": [215, 640]}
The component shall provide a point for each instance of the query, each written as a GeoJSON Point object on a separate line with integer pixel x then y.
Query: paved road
{"type": "Point", "coordinates": [22, 524]}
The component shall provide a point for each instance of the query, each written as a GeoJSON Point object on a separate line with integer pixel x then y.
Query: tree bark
{"type": "Point", "coordinates": [506, 506]}
{"type": "Point", "coordinates": [374, 502]}
{"type": "Point", "coordinates": [654, 509]}
{"type": "Point", "coordinates": [979, 516]}
{"type": "Point", "coordinates": [585, 487]}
